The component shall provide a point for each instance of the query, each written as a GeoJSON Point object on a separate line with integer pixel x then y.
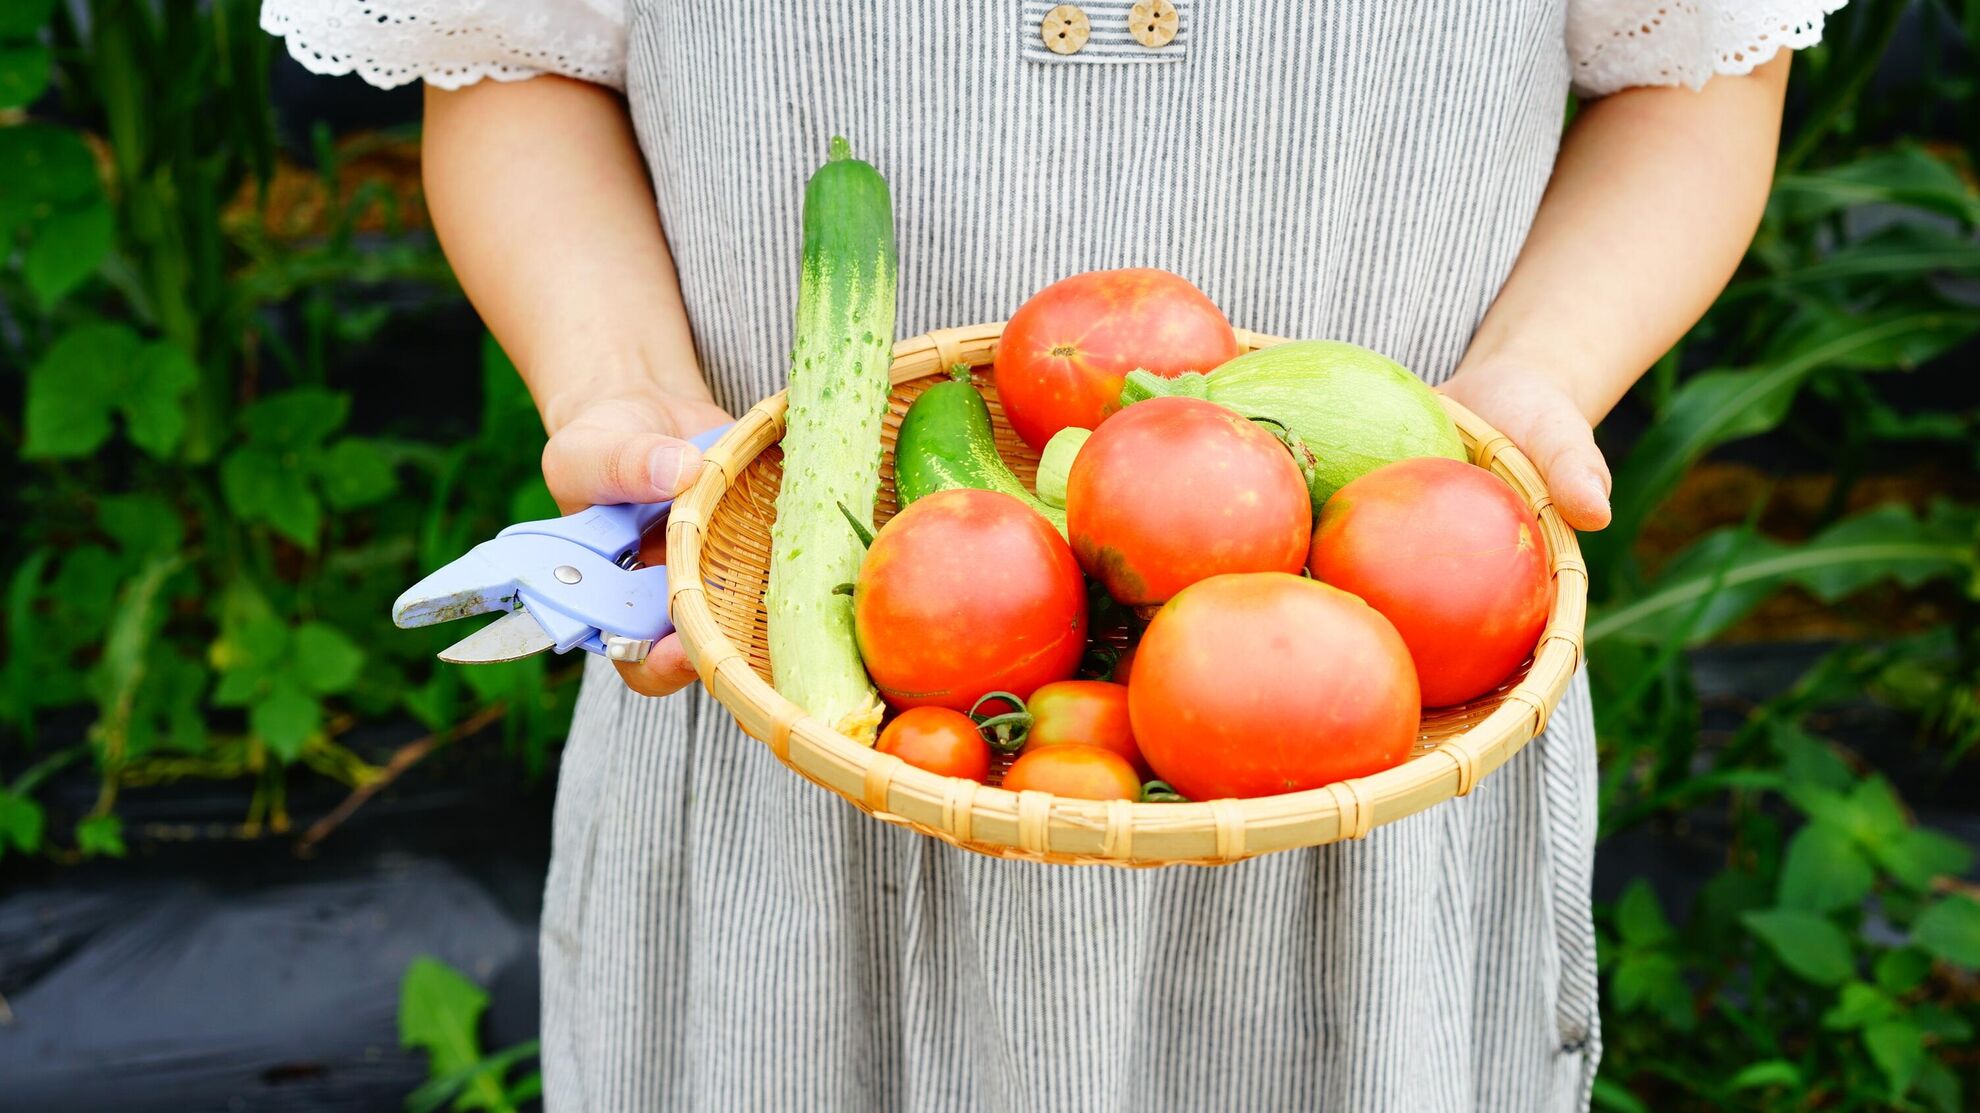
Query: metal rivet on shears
{"type": "Point", "coordinates": [567, 575]}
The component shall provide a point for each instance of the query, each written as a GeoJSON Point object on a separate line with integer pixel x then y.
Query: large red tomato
{"type": "Point", "coordinates": [1173, 490]}
{"type": "Point", "coordinates": [1452, 556]}
{"type": "Point", "coordinates": [1064, 353]}
{"type": "Point", "coordinates": [1253, 685]}
{"type": "Point", "coordinates": [966, 593]}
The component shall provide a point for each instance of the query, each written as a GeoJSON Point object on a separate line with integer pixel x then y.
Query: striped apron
{"type": "Point", "coordinates": [720, 934]}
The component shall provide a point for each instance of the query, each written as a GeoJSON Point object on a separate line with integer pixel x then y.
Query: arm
{"type": "Point", "coordinates": [1654, 198]}
{"type": "Point", "coordinates": [543, 207]}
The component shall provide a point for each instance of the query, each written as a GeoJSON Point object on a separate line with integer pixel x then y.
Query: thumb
{"type": "Point", "coordinates": [585, 464]}
{"type": "Point", "coordinates": [1577, 475]}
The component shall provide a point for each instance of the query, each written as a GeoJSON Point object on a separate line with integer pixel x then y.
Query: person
{"type": "Point", "coordinates": [719, 934]}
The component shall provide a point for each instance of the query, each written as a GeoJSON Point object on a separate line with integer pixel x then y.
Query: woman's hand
{"type": "Point", "coordinates": [1653, 200]}
{"type": "Point", "coordinates": [1547, 424]}
{"type": "Point", "coordinates": [629, 445]}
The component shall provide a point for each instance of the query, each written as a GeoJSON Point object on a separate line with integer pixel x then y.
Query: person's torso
{"type": "Point", "coordinates": [1364, 170]}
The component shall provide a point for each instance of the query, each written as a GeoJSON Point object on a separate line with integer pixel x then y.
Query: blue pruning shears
{"type": "Point", "coordinates": [560, 583]}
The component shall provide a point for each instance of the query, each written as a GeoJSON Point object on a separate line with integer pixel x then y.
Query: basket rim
{"type": "Point", "coordinates": [1039, 826]}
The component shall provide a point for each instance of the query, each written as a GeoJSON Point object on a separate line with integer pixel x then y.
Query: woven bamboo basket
{"type": "Point", "coordinates": [718, 553]}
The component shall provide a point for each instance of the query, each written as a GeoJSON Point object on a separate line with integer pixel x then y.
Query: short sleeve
{"type": "Point", "coordinates": [1619, 44]}
{"type": "Point", "coordinates": [451, 43]}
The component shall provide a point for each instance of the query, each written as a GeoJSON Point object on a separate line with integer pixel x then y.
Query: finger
{"type": "Point", "coordinates": [664, 672]}
{"type": "Point", "coordinates": [586, 464]}
{"type": "Point", "coordinates": [1578, 478]}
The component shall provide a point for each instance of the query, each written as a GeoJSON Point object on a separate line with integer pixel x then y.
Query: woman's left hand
{"type": "Point", "coordinates": [1546, 423]}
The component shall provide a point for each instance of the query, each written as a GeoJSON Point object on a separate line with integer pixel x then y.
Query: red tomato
{"type": "Point", "coordinates": [1082, 712]}
{"type": "Point", "coordinates": [1064, 353]}
{"type": "Point", "coordinates": [965, 593]}
{"type": "Point", "coordinates": [1124, 666]}
{"type": "Point", "coordinates": [1174, 490]}
{"type": "Point", "coordinates": [938, 740]}
{"type": "Point", "coordinates": [1253, 685]}
{"type": "Point", "coordinates": [1085, 772]}
{"type": "Point", "coordinates": [1452, 556]}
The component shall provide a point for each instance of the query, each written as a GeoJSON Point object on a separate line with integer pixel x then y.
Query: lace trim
{"type": "Point", "coordinates": [450, 44]}
{"type": "Point", "coordinates": [1618, 44]}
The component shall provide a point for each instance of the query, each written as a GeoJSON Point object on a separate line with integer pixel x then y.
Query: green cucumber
{"type": "Point", "coordinates": [946, 442]}
{"type": "Point", "coordinates": [838, 400]}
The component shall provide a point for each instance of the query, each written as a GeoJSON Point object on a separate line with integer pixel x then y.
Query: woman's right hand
{"type": "Point", "coordinates": [630, 445]}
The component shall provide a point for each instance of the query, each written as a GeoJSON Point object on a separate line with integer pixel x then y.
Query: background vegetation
{"type": "Point", "coordinates": [213, 492]}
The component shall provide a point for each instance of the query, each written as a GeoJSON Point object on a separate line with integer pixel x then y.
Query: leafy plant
{"type": "Point", "coordinates": [1829, 965]}
{"type": "Point", "coordinates": [440, 1013]}
{"type": "Point", "coordinates": [210, 526]}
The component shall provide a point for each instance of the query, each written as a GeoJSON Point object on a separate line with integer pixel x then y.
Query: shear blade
{"type": "Point", "coordinates": [510, 638]}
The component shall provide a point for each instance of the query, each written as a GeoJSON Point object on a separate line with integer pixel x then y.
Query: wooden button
{"type": "Point", "coordinates": [1153, 23]}
{"type": "Point", "coordinates": [1065, 29]}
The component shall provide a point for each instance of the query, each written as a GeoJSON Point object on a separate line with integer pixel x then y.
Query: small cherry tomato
{"type": "Point", "coordinates": [940, 740]}
{"type": "Point", "coordinates": [1082, 712]}
{"type": "Point", "coordinates": [1082, 772]}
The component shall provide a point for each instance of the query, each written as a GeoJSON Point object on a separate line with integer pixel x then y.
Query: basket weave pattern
{"type": "Point", "coordinates": [718, 556]}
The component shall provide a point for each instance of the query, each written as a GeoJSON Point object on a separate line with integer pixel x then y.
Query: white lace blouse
{"type": "Point", "coordinates": [1611, 44]}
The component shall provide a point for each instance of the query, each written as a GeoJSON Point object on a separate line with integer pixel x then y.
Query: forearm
{"type": "Point", "coordinates": [1653, 201]}
{"type": "Point", "coordinates": [542, 205]}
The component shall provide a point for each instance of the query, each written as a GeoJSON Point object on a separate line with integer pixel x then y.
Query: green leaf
{"type": "Point", "coordinates": [1917, 857]}
{"type": "Point", "coordinates": [1615, 1098]}
{"type": "Point", "coordinates": [1941, 1023]}
{"type": "Point", "coordinates": [66, 248]}
{"type": "Point", "coordinates": [127, 651]}
{"type": "Point", "coordinates": [438, 1091]}
{"type": "Point", "coordinates": [100, 368]}
{"type": "Point", "coordinates": [355, 472]}
{"type": "Point", "coordinates": [238, 689]}
{"type": "Point", "coordinates": [1808, 760]}
{"type": "Point", "coordinates": [1823, 871]}
{"type": "Point", "coordinates": [1898, 1049]}
{"type": "Point", "coordinates": [22, 19]}
{"type": "Point", "coordinates": [1806, 944]}
{"type": "Point", "coordinates": [285, 718]}
{"type": "Point", "coordinates": [152, 397]}
{"type": "Point", "coordinates": [1950, 929]}
{"type": "Point", "coordinates": [440, 1012]}
{"type": "Point", "coordinates": [48, 168]}
{"type": "Point", "coordinates": [1859, 1006]}
{"type": "Point", "coordinates": [1908, 175]}
{"type": "Point", "coordinates": [100, 835]}
{"type": "Point", "coordinates": [141, 523]}
{"type": "Point", "coordinates": [1714, 407]}
{"type": "Point", "coordinates": [1941, 1087]}
{"type": "Point", "coordinates": [72, 390]}
{"type": "Point", "coordinates": [295, 419]}
{"type": "Point", "coordinates": [23, 73]}
{"type": "Point", "coordinates": [1730, 571]}
{"type": "Point", "coordinates": [1767, 1072]}
{"type": "Point", "coordinates": [1902, 970]}
{"type": "Point", "coordinates": [324, 661]}
{"type": "Point", "coordinates": [1639, 918]}
{"type": "Point", "coordinates": [21, 821]}
{"type": "Point", "coordinates": [1654, 983]}
{"type": "Point", "coordinates": [261, 486]}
